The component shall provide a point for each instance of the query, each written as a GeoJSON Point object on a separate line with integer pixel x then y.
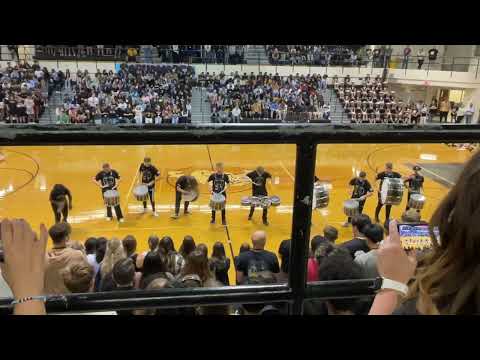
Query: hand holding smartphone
{"type": "Point", "coordinates": [416, 236]}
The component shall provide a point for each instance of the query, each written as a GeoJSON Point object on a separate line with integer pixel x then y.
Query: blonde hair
{"type": "Point", "coordinates": [78, 276]}
{"type": "Point", "coordinates": [113, 254]}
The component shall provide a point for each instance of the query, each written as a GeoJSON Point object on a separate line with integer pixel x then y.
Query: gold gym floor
{"type": "Point", "coordinates": [27, 175]}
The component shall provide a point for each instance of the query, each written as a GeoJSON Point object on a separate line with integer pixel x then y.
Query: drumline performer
{"type": "Point", "coordinates": [361, 190]}
{"type": "Point", "coordinates": [58, 199]}
{"type": "Point", "coordinates": [149, 174]}
{"type": "Point", "coordinates": [414, 184]}
{"type": "Point", "coordinates": [219, 185]}
{"type": "Point", "coordinates": [259, 177]}
{"type": "Point", "coordinates": [184, 185]}
{"type": "Point", "coordinates": [108, 179]}
{"type": "Point", "coordinates": [388, 173]}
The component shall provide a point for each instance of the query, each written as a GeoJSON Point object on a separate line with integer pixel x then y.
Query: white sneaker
{"type": "Point", "coordinates": [109, 218]}
{"type": "Point", "coordinates": [121, 220]}
{"type": "Point", "coordinates": [174, 216]}
{"type": "Point", "coordinates": [155, 214]}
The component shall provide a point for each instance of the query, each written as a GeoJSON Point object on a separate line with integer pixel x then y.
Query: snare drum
{"type": "Point", "coordinates": [392, 191]}
{"type": "Point", "coordinates": [141, 192]}
{"type": "Point", "coordinates": [246, 201]}
{"type": "Point", "coordinates": [275, 200]}
{"type": "Point", "coordinates": [417, 201]}
{"type": "Point", "coordinates": [321, 196]}
{"type": "Point", "coordinates": [351, 207]}
{"type": "Point", "coordinates": [217, 202]}
{"type": "Point", "coordinates": [111, 198]}
{"type": "Point", "coordinates": [190, 196]}
{"type": "Point", "coordinates": [265, 202]}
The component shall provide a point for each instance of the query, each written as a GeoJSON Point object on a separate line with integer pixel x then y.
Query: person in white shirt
{"type": "Point", "coordinates": [469, 111]}
{"type": "Point", "coordinates": [236, 114]}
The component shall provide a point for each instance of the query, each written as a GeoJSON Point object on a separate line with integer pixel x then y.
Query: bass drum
{"type": "Point", "coordinates": [392, 191]}
{"type": "Point", "coordinates": [321, 196]}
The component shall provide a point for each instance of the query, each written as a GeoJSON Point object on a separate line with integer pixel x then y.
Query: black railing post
{"type": "Point", "coordinates": [302, 216]}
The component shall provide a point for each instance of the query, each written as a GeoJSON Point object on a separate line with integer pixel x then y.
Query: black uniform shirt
{"type": "Point", "coordinates": [148, 174]}
{"type": "Point", "coordinates": [107, 179]}
{"type": "Point", "coordinates": [261, 180]}
{"type": "Point", "coordinates": [219, 182]}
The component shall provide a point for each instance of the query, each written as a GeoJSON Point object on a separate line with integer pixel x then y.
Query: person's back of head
{"type": "Point", "coordinates": [411, 216]}
{"type": "Point", "coordinates": [100, 249]}
{"type": "Point", "coordinates": [130, 245]}
{"type": "Point", "coordinates": [259, 239]}
{"type": "Point", "coordinates": [244, 247]}
{"type": "Point", "coordinates": [339, 265]}
{"type": "Point", "coordinates": [59, 233]}
{"type": "Point", "coordinates": [261, 278]}
{"type": "Point", "coordinates": [197, 263]}
{"type": "Point", "coordinates": [90, 245]}
{"type": "Point", "coordinates": [373, 232]}
{"type": "Point", "coordinates": [188, 245]}
{"type": "Point", "coordinates": [113, 253]}
{"type": "Point", "coordinates": [218, 250]}
{"type": "Point", "coordinates": [153, 242]}
{"type": "Point", "coordinates": [316, 241]}
{"type": "Point", "coordinates": [284, 252]}
{"type": "Point", "coordinates": [153, 263]}
{"type": "Point", "coordinates": [330, 233]}
{"type": "Point", "coordinates": [78, 276]}
{"type": "Point", "coordinates": [166, 243]}
{"type": "Point", "coordinates": [123, 272]}
{"type": "Point", "coordinates": [203, 248]}
{"type": "Point", "coordinates": [359, 222]}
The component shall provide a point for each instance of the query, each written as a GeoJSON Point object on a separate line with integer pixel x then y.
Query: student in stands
{"type": "Point", "coordinates": [58, 258]}
{"type": "Point", "coordinates": [130, 246]}
{"type": "Point", "coordinates": [358, 243]}
{"type": "Point", "coordinates": [368, 260]}
{"type": "Point", "coordinates": [196, 266]}
{"type": "Point", "coordinates": [113, 254]}
{"type": "Point", "coordinates": [175, 261]}
{"type": "Point", "coordinates": [219, 263]}
{"type": "Point", "coordinates": [188, 245]}
{"type": "Point", "coordinates": [284, 253]}
{"type": "Point", "coordinates": [153, 241]}
{"type": "Point", "coordinates": [256, 260]}
{"type": "Point", "coordinates": [330, 233]}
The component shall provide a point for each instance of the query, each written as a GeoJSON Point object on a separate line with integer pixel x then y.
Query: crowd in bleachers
{"type": "Point", "coordinates": [136, 93]}
{"type": "Point", "coordinates": [23, 92]}
{"type": "Point", "coordinates": [265, 96]}
{"type": "Point", "coordinates": [367, 100]}
{"type": "Point", "coordinates": [326, 55]}
{"type": "Point", "coordinates": [212, 54]}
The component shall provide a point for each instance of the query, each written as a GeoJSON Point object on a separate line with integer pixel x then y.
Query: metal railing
{"type": "Point", "coordinates": [305, 137]}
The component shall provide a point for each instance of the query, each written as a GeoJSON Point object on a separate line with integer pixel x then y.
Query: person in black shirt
{"type": "Point", "coordinates": [359, 241]}
{"type": "Point", "coordinates": [108, 179]}
{"type": "Point", "coordinates": [414, 183]}
{"type": "Point", "coordinates": [252, 262]}
{"type": "Point", "coordinates": [184, 185]}
{"type": "Point", "coordinates": [259, 188]}
{"type": "Point", "coordinates": [58, 199]}
{"type": "Point", "coordinates": [220, 183]}
{"type": "Point", "coordinates": [361, 190]}
{"type": "Point", "coordinates": [388, 173]}
{"type": "Point", "coordinates": [149, 174]}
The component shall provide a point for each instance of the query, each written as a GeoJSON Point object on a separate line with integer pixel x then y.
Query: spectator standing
{"type": "Point", "coordinates": [460, 113]}
{"type": "Point", "coordinates": [420, 58]}
{"type": "Point", "coordinates": [406, 57]}
{"type": "Point", "coordinates": [444, 109]}
{"type": "Point", "coordinates": [257, 259]}
{"type": "Point", "coordinates": [469, 111]}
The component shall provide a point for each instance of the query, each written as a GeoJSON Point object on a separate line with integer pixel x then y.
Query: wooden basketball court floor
{"type": "Point", "coordinates": [27, 175]}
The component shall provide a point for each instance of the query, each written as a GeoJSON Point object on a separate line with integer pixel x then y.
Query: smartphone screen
{"type": "Point", "coordinates": [416, 236]}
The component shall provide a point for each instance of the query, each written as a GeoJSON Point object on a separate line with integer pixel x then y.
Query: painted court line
{"type": "Point", "coordinates": [438, 176]}
{"type": "Point", "coordinates": [282, 165]}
